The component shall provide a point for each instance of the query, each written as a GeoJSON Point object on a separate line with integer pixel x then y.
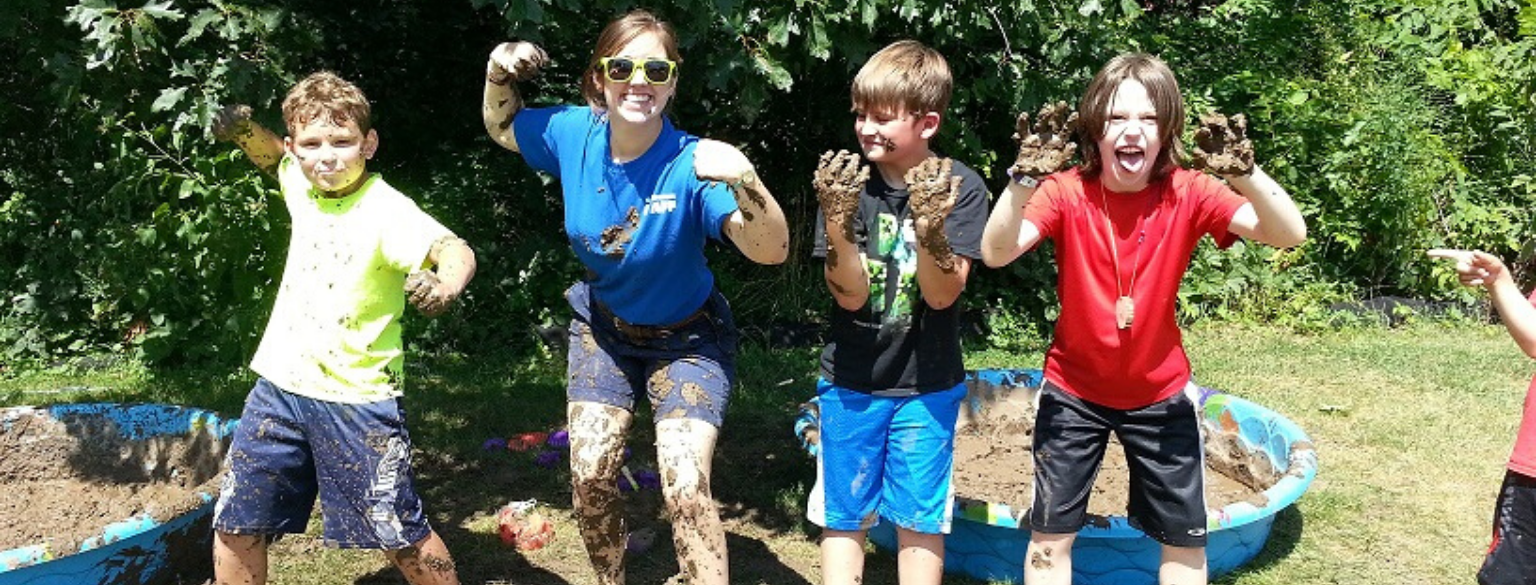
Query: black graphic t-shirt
{"type": "Point", "coordinates": [896, 344]}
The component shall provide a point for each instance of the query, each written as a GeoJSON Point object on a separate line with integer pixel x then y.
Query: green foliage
{"type": "Point", "coordinates": [1398, 125]}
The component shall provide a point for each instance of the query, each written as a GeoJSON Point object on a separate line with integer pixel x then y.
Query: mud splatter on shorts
{"type": "Point", "coordinates": [355, 458]}
{"type": "Point", "coordinates": [686, 371]}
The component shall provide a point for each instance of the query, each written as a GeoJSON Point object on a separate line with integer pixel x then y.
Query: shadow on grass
{"type": "Point", "coordinates": [455, 404]}
{"type": "Point", "coordinates": [1283, 537]}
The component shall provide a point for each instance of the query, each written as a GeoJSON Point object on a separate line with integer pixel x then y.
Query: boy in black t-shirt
{"type": "Point", "coordinates": [898, 245]}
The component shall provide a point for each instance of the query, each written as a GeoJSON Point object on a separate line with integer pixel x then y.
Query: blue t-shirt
{"type": "Point", "coordinates": [639, 226]}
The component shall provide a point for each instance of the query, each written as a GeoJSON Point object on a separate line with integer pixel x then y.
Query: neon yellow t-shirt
{"type": "Point", "coordinates": [334, 333]}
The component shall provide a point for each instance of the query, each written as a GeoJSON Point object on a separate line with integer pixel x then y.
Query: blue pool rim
{"type": "Point", "coordinates": [1116, 553]}
{"type": "Point", "coordinates": [34, 563]}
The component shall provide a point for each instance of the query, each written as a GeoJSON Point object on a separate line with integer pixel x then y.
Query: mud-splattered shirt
{"type": "Point", "coordinates": [639, 226]}
{"type": "Point", "coordinates": [334, 333]}
{"type": "Point", "coordinates": [896, 344]}
{"type": "Point", "coordinates": [1156, 230]}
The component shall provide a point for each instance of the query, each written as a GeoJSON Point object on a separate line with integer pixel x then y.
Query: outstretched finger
{"type": "Point", "coordinates": [1021, 127]}
{"type": "Point", "coordinates": [1449, 254]}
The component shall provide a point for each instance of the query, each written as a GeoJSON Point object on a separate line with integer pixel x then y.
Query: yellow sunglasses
{"type": "Point", "coordinates": [623, 69]}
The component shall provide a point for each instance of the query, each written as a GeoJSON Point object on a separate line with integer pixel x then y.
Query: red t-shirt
{"type": "Point", "coordinates": [1156, 230]}
{"type": "Point", "coordinates": [1523, 460]}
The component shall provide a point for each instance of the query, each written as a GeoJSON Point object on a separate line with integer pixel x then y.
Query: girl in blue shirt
{"type": "Point", "coordinates": [641, 198]}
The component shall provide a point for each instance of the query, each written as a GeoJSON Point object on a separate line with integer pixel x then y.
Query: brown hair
{"type": "Point", "coordinates": [1153, 74]}
{"type": "Point", "coordinates": [905, 75]}
{"type": "Point", "coordinates": [327, 97]}
{"type": "Point", "coordinates": [617, 34]}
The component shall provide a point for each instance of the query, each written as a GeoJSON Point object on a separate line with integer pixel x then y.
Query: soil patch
{"type": "Point", "coordinates": [994, 463]}
{"type": "Point", "coordinates": [70, 478]}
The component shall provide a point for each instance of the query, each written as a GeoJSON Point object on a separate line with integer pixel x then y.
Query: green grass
{"type": "Point", "coordinates": [1412, 428]}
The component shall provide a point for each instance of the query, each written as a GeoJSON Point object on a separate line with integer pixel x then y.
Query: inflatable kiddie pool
{"type": "Point", "coordinates": [165, 541]}
{"type": "Point", "coordinates": [987, 540]}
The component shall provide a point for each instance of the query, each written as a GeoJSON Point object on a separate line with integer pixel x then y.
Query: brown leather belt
{"type": "Point", "coordinates": [633, 331]}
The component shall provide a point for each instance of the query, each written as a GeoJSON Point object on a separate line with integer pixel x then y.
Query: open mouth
{"type": "Point", "coordinates": [639, 100]}
{"type": "Point", "coordinates": [1131, 158]}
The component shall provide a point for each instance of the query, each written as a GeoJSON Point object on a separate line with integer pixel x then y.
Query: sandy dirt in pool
{"type": "Point", "coordinates": [61, 482]}
{"type": "Point", "coordinates": [994, 463]}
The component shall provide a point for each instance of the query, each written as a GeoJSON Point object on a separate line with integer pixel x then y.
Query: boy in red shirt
{"type": "Point", "coordinates": [1125, 224]}
{"type": "Point", "coordinates": [1512, 555]}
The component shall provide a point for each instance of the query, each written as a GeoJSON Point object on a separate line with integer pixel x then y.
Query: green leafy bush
{"type": "Point", "coordinates": [1397, 125]}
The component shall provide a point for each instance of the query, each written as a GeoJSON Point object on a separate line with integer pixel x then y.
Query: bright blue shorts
{"type": "Point", "coordinates": [356, 457]}
{"type": "Point", "coordinates": [890, 457]}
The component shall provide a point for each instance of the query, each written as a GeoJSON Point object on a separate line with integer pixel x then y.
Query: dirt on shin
{"type": "Point", "coordinates": [70, 480]}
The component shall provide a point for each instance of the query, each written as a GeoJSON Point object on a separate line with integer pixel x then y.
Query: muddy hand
{"type": "Point", "coordinates": [515, 61]}
{"type": "Point", "coordinates": [1045, 147]}
{"type": "Point", "coordinates": [423, 289]}
{"type": "Point", "coordinates": [1222, 145]}
{"type": "Point", "coordinates": [933, 188]}
{"type": "Point", "coordinates": [231, 122]}
{"type": "Point", "coordinates": [839, 178]}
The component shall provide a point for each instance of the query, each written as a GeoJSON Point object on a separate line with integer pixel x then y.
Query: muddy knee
{"type": "Point", "coordinates": [689, 502]}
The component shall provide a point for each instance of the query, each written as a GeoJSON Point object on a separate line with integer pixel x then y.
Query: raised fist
{"type": "Point", "coordinates": [515, 61]}
{"type": "Point", "coordinates": [421, 288]}
{"type": "Point", "coordinates": [232, 122]}
{"type": "Point", "coordinates": [1046, 147]}
{"type": "Point", "coordinates": [1222, 145]}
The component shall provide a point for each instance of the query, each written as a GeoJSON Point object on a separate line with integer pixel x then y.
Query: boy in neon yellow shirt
{"type": "Point", "coordinates": [324, 418]}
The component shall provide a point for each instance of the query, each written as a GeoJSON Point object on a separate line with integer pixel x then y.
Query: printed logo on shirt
{"type": "Point", "coordinates": [660, 203]}
{"type": "Point", "coordinates": [893, 269]}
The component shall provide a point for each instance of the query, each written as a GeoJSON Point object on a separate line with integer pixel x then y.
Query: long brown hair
{"type": "Point", "coordinates": [614, 36]}
{"type": "Point", "coordinates": [1162, 89]}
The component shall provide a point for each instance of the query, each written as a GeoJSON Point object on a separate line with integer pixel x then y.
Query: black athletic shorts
{"type": "Point", "coordinates": [1512, 556]}
{"type": "Point", "coordinates": [1162, 448]}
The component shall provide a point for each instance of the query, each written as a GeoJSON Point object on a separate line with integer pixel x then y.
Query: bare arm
{"type": "Point", "coordinates": [434, 291]}
{"type": "Point", "coordinates": [757, 227]}
{"type": "Point", "coordinates": [1008, 235]}
{"type": "Point", "coordinates": [509, 63]}
{"type": "Point", "coordinates": [261, 146]}
{"type": "Point", "coordinates": [1476, 268]}
{"type": "Point", "coordinates": [1270, 216]}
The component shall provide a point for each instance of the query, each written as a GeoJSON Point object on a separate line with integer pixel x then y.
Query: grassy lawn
{"type": "Point", "coordinates": [1412, 428]}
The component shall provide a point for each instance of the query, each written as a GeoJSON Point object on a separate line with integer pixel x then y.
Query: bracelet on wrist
{"type": "Point", "coordinates": [1023, 179]}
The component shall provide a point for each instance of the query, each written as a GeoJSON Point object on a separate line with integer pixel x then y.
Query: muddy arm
{"type": "Point", "coordinates": [261, 146]}
{"type": "Point", "coordinates": [509, 63]}
{"type": "Point", "coordinates": [757, 227]}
